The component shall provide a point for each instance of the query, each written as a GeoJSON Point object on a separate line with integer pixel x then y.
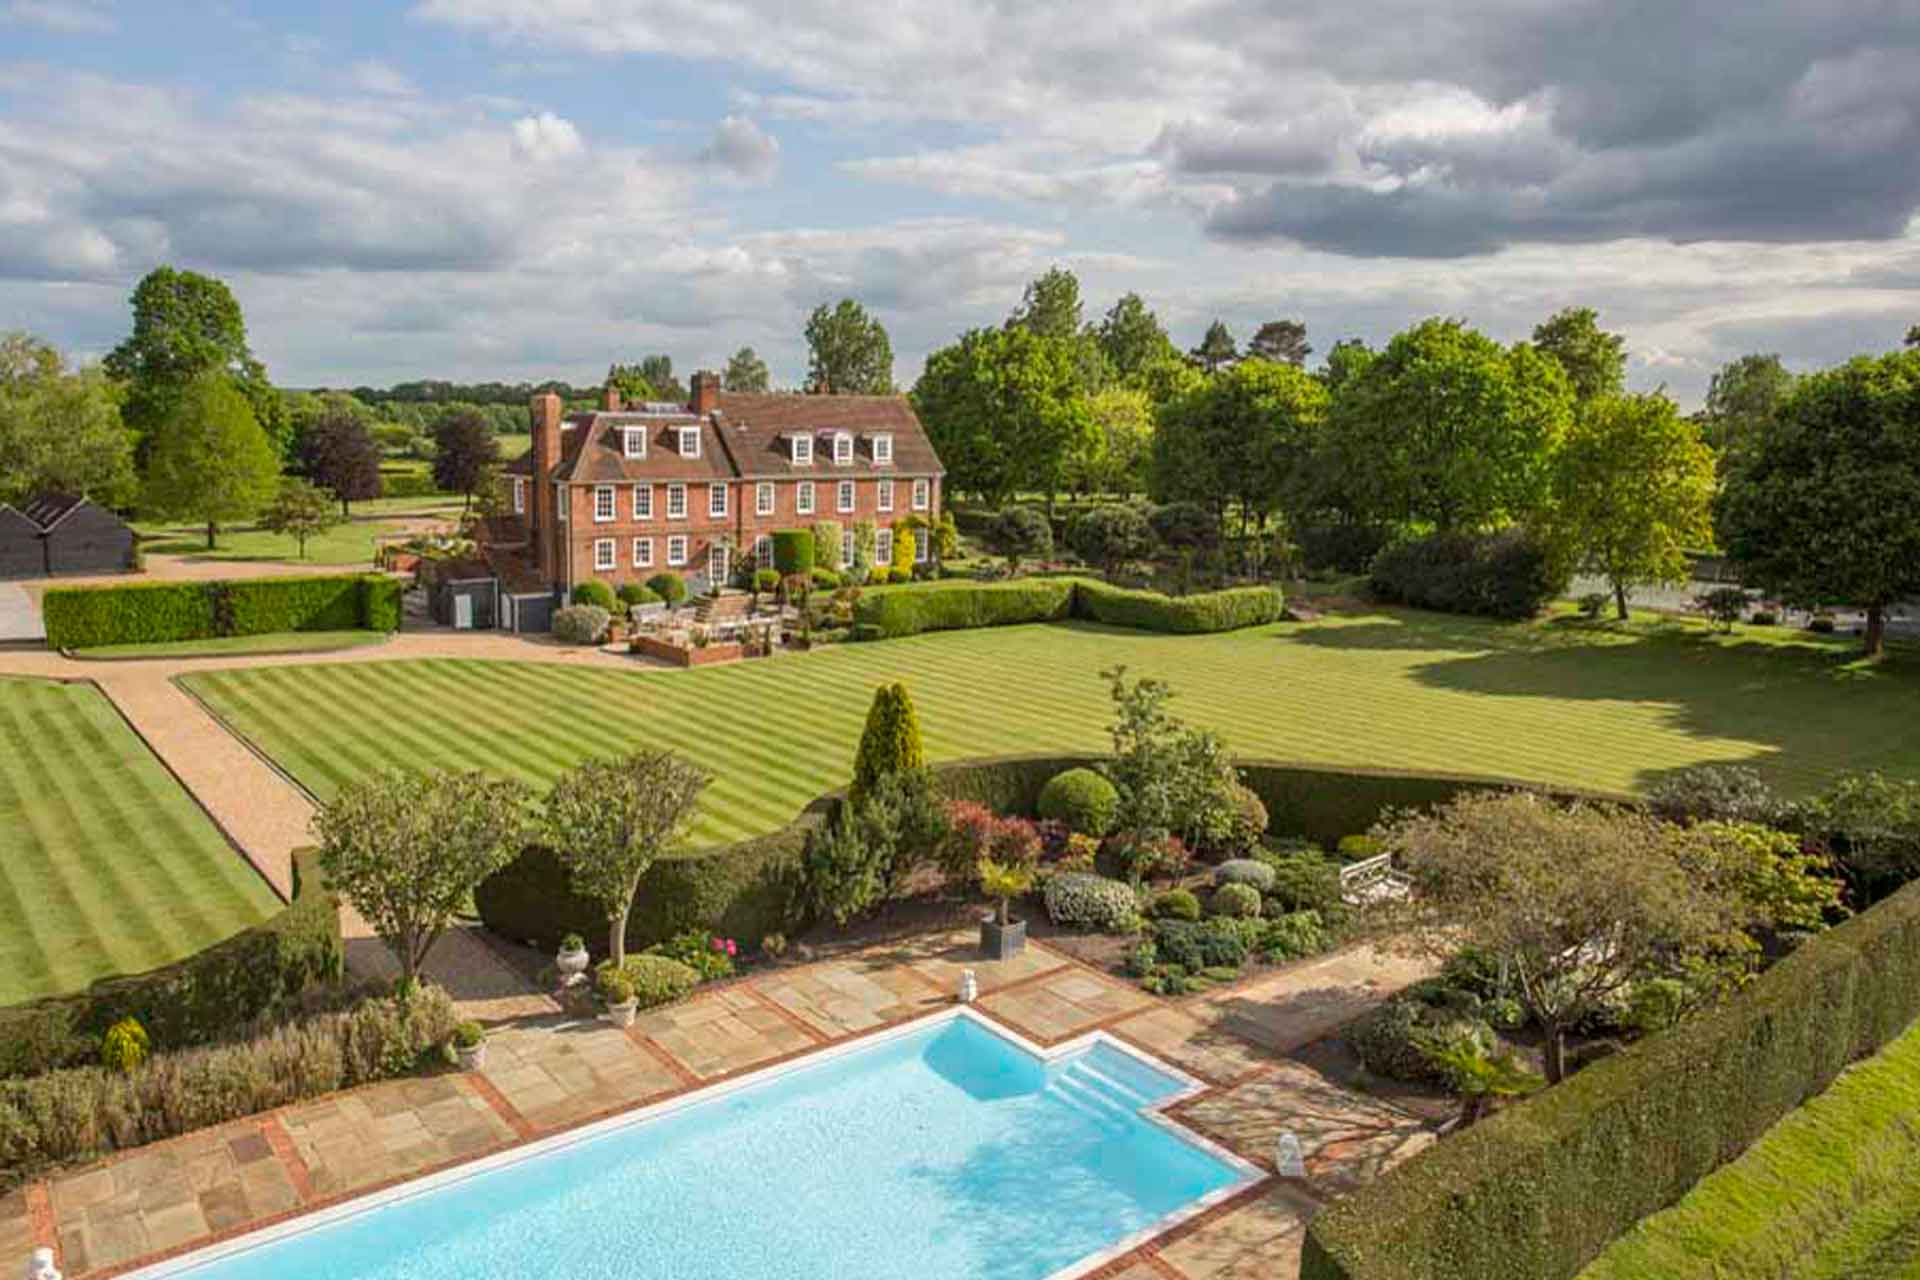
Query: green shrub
{"type": "Point", "coordinates": [1236, 900]}
{"type": "Point", "coordinates": [952, 605]}
{"type": "Point", "coordinates": [848, 865]}
{"type": "Point", "coordinates": [1207, 944]}
{"type": "Point", "coordinates": [1294, 936]}
{"type": "Point", "coordinates": [1021, 533]}
{"type": "Point", "coordinates": [634, 593]}
{"type": "Point", "coordinates": [826, 580]}
{"type": "Point", "coordinates": [264, 606]}
{"type": "Point", "coordinates": [1176, 904]}
{"type": "Point", "coordinates": [68, 1116]}
{"type": "Point", "coordinates": [1541, 1187]}
{"type": "Point", "coordinates": [1248, 871]}
{"type": "Point", "coordinates": [1081, 798]}
{"type": "Point", "coordinates": [381, 602]}
{"type": "Point", "coordinates": [658, 980]}
{"type": "Point", "coordinates": [670, 587]}
{"type": "Point", "coordinates": [1181, 615]}
{"type": "Point", "coordinates": [703, 952]}
{"type": "Point", "coordinates": [793, 551]}
{"type": "Point", "coordinates": [826, 545]}
{"type": "Point", "coordinates": [766, 581]}
{"type": "Point", "coordinates": [889, 744]}
{"type": "Point", "coordinates": [1510, 574]}
{"type": "Point", "coordinates": [580, 624]}
{"type": "Point", "coordinates": [1344, 548]}
{"type": "Point", "coordinates": [153, 612]}
{"type": "Point", "coordinates": [125, 1045]}
{"type": "Point", "coordinates": [1358, 848]}
{"type": "Point", "coordinates": [1304, 881]}
{"type": "Point", "coordinates": [1391, 1040]}
{"type": "Point", "coordinates": [204, 997]}
{"type": "Point", "coordinates": [593, 592]}
{"type": "Point", "coordinates": [1248, 826]}
{"type": "Point", "coordinates": [1087, 901]}
{"type": "Point", "coordinates": [136, 613]}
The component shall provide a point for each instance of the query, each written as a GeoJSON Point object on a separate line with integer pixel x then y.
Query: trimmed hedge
{"type": "Point", "coordinates": [193, 1001]}
{"type": "Point", "coordinates": [1537, 1191]}
{"type": "Point", "coordinates": [154, 612]}
{"type": "Point", "coordinates": [954, 605]}
{"type": "Point", "coordinates": [793, 551]}
{"type": "Point", "coordinates": [1205, 612]}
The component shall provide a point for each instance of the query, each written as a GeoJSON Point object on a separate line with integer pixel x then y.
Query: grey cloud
{"type": "Point", "coordinates": [740, 147]}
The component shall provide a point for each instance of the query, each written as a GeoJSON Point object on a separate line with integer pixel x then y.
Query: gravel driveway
{"type": "Point", "coordinates": [19, 615]}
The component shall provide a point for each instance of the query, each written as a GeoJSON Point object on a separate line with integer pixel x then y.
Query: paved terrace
{"type": "Point", "coordinates": [548, 1074]}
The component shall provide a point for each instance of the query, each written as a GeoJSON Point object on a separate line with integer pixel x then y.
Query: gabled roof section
{"type": "Point", "coordinates": [49, 509]}
{"type": "Point", "coordinates": [598, 451]}
{"type": "Point", "coordinates": [757, 428]}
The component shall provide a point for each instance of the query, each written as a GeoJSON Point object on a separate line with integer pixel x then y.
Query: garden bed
{"type": "Point", "coordinates": [687, 655]}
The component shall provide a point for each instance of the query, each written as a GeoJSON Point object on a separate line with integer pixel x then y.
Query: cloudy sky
{"type": "Point", "coordinates": [521, 189]}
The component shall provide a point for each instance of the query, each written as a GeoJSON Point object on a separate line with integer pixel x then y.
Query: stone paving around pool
{"type": "Point", "coordinates": [547, 1074]}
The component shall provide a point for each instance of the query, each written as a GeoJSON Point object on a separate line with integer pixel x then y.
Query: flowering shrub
{"type": "Point", "coordinates": [1079, 854]}
{"type": "Point", "coordinates": [706, 954]}
{"type": "Point", "coordinates": [975, 832]}
{"type": "Point", "coordinates": [1161, 857]}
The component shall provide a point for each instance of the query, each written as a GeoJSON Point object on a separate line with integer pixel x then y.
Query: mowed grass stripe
{"type": "Point", "coordinates": [1550, 703]}
{"type": "Point", "coordinates": [108, 866]}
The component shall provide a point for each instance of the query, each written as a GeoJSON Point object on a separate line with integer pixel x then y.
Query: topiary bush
{"type": "Point", "coordinates": [889, 744]}
{"type": "Point", "coordinates": [1247, 871]}
{"type": "Point", "coordinates": [1083, 799]}
{"type": "Point", "coordinates": [766, 581]}
{"type": "Point", "coordinates": [1176, 904]}
{"type": "Point", "coordinates": [634, 593]}
{"type": "Point", "coordinates": [826, 579]}
{"type": "Point", "coordinates": [792, 551]}
{"type": "Point", "coordinates": [1241, 900]}
{"type": "Point", "coordinates": [580, 624]}
{"type": "Point", "coordinates": [593, 592]}
{"type": "Point", "coordinates": [954, 605]}
{"type": "Point", "coordinates": [659, 980]}
{"type": "Point", "coordinates": [1083, 900]}
{"type": "Point", "coordinates": [670, 587]}
{"type": "Point", "coordinates": [1021, 533]}
{"type": "Point", "coordinates": [1202, 613]}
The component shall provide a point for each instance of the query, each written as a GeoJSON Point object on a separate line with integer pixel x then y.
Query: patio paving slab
{"type": "Point", "coordinates": [556, 1072]}
{"type": "Point", "coordinates": [16, 1226]}
{"type": "Point", "coordinates": [1301, 1004]}
{"type": "Point", "coordinates": [842, 997]}
{"type": "Point", "coordinates": [722, 1032]}
{"type": "Point", "coordinates": [1200, 1047]}
{"type": "Point", "coordinates": [1260, 1239]}
{"type": "Point", "coordinates": [1064, 1003]}
{"type": "Point", "coordinates": [366, 1138]}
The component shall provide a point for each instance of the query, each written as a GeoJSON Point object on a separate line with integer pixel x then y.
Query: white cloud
{"type": "Point", "coordinates": [379, 77]}
{"type": "Point", "coordinates": [68, 17]}
{"type": "Point", "coordinates": [546, 136]}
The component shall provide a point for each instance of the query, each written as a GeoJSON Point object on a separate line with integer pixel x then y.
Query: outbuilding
{"type": "Point", "coordinates": [63, 536]}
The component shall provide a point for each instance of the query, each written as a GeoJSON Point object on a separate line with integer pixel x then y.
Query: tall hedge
{"type": "Point", "coordinates": [1207, 611]}
{"type": "Point", "coordinates": [157, 612]}
{"type": "Point", "coordinates": [793, 551]}
{"type": "Point", "coordinates": [952, 606]}
{"type": "Point", "coordinates": [1539, 1190]}
{"type": "Point", "coordinates": [192, 1001]}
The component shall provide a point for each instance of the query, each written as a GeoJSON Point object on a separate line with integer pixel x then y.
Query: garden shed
{"type": "Point", "coordinates": [462, 593]}
{"type": "Point", "coordinates": [63, 536]}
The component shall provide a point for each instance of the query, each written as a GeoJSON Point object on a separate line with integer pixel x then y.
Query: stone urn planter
{"type": "Point", "coordinates": [1002, 941]}
{"type": "Point", "coordinates": [470, 1046]}
{"type": "Point", "coordinates": [571, 961]}
{"type": "Point", "coordinates": [621, 1014]}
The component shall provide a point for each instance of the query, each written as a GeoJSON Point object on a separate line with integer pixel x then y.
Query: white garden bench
{"type": "Point", "coordinates": [1372, 880]}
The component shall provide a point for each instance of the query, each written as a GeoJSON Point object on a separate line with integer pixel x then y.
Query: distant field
{"type": "Point", "coordinates": [344, 544]}
{"type": "Point", "coordinates": [106, 864]}
{"type": "Point", "coordinates": [1558, 702]}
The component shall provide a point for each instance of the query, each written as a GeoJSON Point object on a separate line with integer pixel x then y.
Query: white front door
{"type": "Point", "coordinates": [463, 613]}
{"type": "Point", "coordinates": [716, 566]}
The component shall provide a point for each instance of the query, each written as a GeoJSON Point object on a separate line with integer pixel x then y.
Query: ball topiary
{"type": "Point", "coordinates": [633, 593]}
{"type": "Point", "coordinates": [670, 587]}
{"type": "Point", "coordinates": [1246, 871]}
{"type": "Point", "coordinates": [1241, 900]}
{"type": "Point", "coordinates": [595, 593]}
{"type": "Point", "coordinates": [1089, 901]}
{"type": "Point", "coordinates": [580, 624]}
{"type": "Point", "coordinates": [1083, 799]}
{"type": "Point", "coordinates": [1176, 904]}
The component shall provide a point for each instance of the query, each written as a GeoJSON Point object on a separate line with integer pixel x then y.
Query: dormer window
{"type": "Point", "coordinates": [802, 451]}
{"type": "Point", "coordinates": [842, 449]}
{"type": "Point", "coordinates": [883, 451]}
{"type": "Point", "coordinates": [689, 442]}
{"type": "Point", "coordinates": [633, 442]}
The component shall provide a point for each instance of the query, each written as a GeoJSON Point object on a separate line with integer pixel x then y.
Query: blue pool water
{"type": "Point", "coordinates": [948, 1153]}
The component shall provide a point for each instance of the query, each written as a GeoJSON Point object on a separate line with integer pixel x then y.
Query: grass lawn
{"type": "Point", "coordinates": [1564, 702]}
{"type": "Point", "coordinates": [1830, 1193]}
{"type": "Point", "coordinates": [349, 544]}
{"type": "Point", "coordinates": [106, 864]}
{"type": "Point", "coordinates": [228, 646]}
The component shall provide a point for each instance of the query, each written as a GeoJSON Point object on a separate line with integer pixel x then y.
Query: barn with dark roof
{"type": "Point", "coordinates": [61, 535]}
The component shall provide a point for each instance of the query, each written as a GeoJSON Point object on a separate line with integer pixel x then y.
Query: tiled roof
{"type": "Point", "coordinates": [595, 453]}
{"type": "Point", "coordinates": [49, 509]}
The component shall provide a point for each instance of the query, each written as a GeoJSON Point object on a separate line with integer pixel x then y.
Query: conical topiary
{"type": "Point", "coordinates": [889, 744]}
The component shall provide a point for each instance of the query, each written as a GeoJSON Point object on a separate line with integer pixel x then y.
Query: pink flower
{"type": "Point", "coordinates": [731, 949]}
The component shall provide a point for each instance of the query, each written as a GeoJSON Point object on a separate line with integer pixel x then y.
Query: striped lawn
{"type": "Point", "coordinates": [107, 866]}
{"type": "Point", "coordinates": [1548, 703]}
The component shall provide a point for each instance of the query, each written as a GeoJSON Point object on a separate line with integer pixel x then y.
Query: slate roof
{"type": "Point", "coordinates": [49, 509]}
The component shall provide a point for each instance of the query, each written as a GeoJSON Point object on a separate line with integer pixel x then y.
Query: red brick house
{"type": "Point", "coordinates": [626, 492]}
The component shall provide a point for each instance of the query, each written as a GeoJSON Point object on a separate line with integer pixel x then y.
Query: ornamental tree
{"type": "Point", "coordinates": [1110, 536]}
{"type": "Point", "coordinates": [464, 453]}
{"type": "Point", "coordinates": [1575, 902]}
{"type": "Point", "coordinates": [1818, 505]}
{"type": "Point", "coordinates": [407, 850]}
{"type": "Point", "coordinates": [1633, 492]}
{"type": "Point", "coordinates": [609, 820]}
{"type": "Point", "coordinates": [300, 511]}
{"type": "Point", "coordinates": [338, 453]}
{"type": "Point", "coordinates": [890, 743]}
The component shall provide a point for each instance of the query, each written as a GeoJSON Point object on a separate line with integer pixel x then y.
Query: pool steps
{"type": "Point", "coordinates": [1098, 1095]}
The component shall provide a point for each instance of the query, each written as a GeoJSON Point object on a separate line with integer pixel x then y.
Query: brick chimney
{"type": "Point", "coordinates": [706, 393]}
{"type": "Point", "coordinates": [610, 399]}
{"type": "Point", "coordinates": [543, 419]}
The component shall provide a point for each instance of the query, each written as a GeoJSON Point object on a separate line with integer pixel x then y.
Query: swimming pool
{"type": "Point", "coordinates": [943, 1150]}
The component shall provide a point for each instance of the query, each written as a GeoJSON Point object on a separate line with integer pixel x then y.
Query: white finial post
{"type": "Point", "coordinates": [40, 1266]}
{"type": "Point", "coordinates": [969, 987]}
{"type": "Point", "coordinates": [1287, 1159]}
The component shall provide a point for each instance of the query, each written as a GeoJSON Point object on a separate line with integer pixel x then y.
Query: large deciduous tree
{"type": "Point", "coordinates": [1004, 408]}
{"type": "Point", "coordinates": [657, 372]}
{"type": "Point", "coordinates": [746, 371]}
{"type": "Point", "coordinates": [1113, 456]}
{"type": "Point", "coordinates": [407, 850]}
{"type": "Point", "coordinates": [1449, 427]}
{"type": "Point", "coordinates": [207, 459]}
{"type": "Point", "coordinates": [633, 385]}
{"type": "Point", "coordinates": [1819, 505]}
{"type": "Point", "coordinates": [186, 325]}
{"type": "Point", "coordinates": [465, 453]}
{"type": "Point", "coordinates": [1281, 341]}
{"type": "Point", "coordinates": [609, 820]}
{"type": "Point", "coordinates": [1050, 307]}
{"type": "Point", "coordinates": [60, 428]}
{"type": "Point", "coordinates": [1742, 398]}
{"type": "Point", "coordinates": [338, 453]}
{"type": "Point", "coordinates": [848, 351]}
{"type": "Point", "coordinates": [1574, 902]}
{"type": "Point", "coordinates": [1237, 438]}
{"type": "Point", "coordinates": [1133, 341]}
{"type": "Point", "coordinates": [1633, 491]}
{"type": "Point", "coordinates": [1595, 361]}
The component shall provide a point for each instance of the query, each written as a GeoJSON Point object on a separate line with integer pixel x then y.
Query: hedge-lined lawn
{"type": "Point", "coordinates": [231, 646]}
{"type": "Point", "coordinates": [1560, 704]}
{"type": "Point", "coordinates": [106, 864]}
{"type": "Point", "coordinates": [350, 543]}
